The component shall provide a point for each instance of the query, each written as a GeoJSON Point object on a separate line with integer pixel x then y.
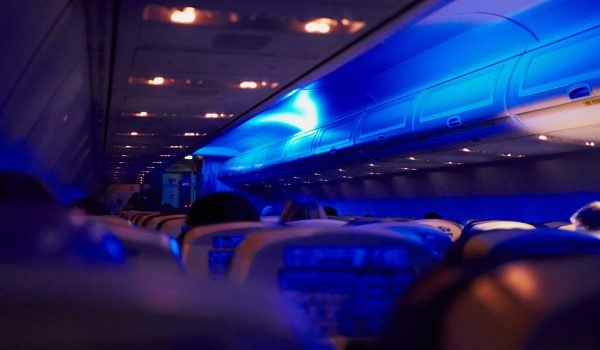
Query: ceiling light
{"type": "Point", "coordinates": [296, 177]}
{"type": "Point", "coordinates": [316, 174]}
{"type": "Point", "coordinates": [341, 170]}
{"type": "Point", "coordinates": [412, 158]}
{"type": "Point", "coordinates": [156, 81]}
{"type": "Point", "coordinates": [248, 85]}
{"type": "Point", "coordinates": [371, 164]}
{"type": "Point", "coordinates": [193, 134]}
{"type": "Point", "coordinates": [320, 26]}
{"type": "Point", "coordinates": [176, 146]}
{"type": "Point", "coordinates": [157, 162]}
{"type": "Point", "coordinates": [166, 155]}
{"type": "Point", "coordinates": [185, 16]}
{"type": "Point", "coordinates": [590, 143]}
{"type": "Point", "coordinates": [466, 150]}
{"type": "Point", "coordinates": [133, 133]}
{"type": "Point", "coordinates": [506, 154]}
{"type": "Point", "coordinates": [189, 157]}
{"type": "Point", "coordinates": [543, 137]}
{"type": "Point", "coordinates": [142, 114]}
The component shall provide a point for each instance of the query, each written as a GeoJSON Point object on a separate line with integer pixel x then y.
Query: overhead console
{"type": "Point", "coordinates": [510, 92]}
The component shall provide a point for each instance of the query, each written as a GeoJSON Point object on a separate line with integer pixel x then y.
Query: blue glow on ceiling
{"type": "Point", "coordinates": [303, 114]}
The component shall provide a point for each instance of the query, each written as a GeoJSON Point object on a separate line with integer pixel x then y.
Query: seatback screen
{"type": "Point", "coordinates": [348, 291]}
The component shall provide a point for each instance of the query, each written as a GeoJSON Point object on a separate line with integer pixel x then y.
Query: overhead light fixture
{"type": "Point", "coordinates": [156, 81]}
{"type": "Point", "coordinates": [371, 164]}
{"type": "Point", "coordinates": [189, 157]}
{"type": "Point", "coordinates": [590, 144]}
{"type": "Point", "coordinates": [543, 137]}
{"type": "Point", "coordinates": [142, 114]}
{"type": "Point", "coordinates": [316, 174]}
{"type": "Point", "coordinates": [213, 115]}
{"type": "Point", "coordinates": [133, 133]}
{"type": "Point", "coordinates": [176, 146]}
{"type": "Point", "coordinates": [193, 134]}
{"type": "Point", "coordinates": [320, 25]}
{"type": "Point", "coordinates": [466, 150]}
{"type": "Point", "coordinates": [185, 16]}
{"type": "Point", "coordinates": [412, 158]}
{"type": "Point", "coordinates": [341, 169]}
{"type": "Point", "coordinates": [248, 85]}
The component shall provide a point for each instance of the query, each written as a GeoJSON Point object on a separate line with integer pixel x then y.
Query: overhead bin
{"type": "Point", "coordinates": [467, 100]}
{"type": "Point", "coordinates": [557, 86]}
{"type": "Point", "coordinates": [238, 165]}
{"type": "Point", "coordinates": [390, 121]}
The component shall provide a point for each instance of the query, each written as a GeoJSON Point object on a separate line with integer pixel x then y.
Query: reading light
{"type": "Point", "coordinates": [142, 114]}
{"type": "Point", "coordinates": [371, 164]}
{"type": "Point", "coordinates": [133, 133]}
{"type": "Point", "coordinates": [156, 81]}
{"type": "Point", "coordinates": [466, 150]}
{"type": "Point", "coordinates": [248, 85]}
{"type": "Point", "coordinates": [189, 157]}
{"type": "Point", "coordinates": [590, 143]}
{"type": "Point", "coordinates": [412, 158]}
{"type": "Point", "coordinates": [543, 137]}
{"type": "Point", "coordinates": [185, 16]}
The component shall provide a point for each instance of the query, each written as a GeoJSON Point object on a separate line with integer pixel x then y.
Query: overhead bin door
{"type": "Point", "coordinates": [389, 121]}
{"type": "Point", "coordinates": [300, 146]}
{"type": "Point", "coordinates": [557, 74]}
{"type": "Point", "coordinates": [337, 135]}
{"type": "Point", "coordinates": [467, 100]}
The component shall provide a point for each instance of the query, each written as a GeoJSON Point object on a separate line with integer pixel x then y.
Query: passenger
{"type": "Point", "coordinates": [35, 228]}
{"type": "Point", "coordinates": [432, 215]}
{"type": "Point", "coordinates": [587, 219]}
{"type": "Point", "coordinates": [302, 207]}
{"type": "Point", "coordinates": [330, 211]}
{"type": "Point", "coordinates": [221, 207]}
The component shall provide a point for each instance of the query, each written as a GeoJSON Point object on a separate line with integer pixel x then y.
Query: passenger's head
{"type": "Point", "coordinates": [588, 217]}
{"type": "Point", "coordinates": [221, 207]}
{"type": "Point", "coordinates": [302, 207]}
{"type": "Point", "coordinates": [432, 215]}
{"type": "Point", "coordinates": [330, 211]}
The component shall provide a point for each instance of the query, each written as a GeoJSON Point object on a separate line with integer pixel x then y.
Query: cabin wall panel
{"type": "Point", "coordinates": [46, 118]}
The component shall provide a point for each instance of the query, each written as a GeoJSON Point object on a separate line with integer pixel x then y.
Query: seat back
{"type": "Point", "coordinates": [208, 250]}
{"type": "Point", "coordinates": [144, 249]}
{"type": "Point", "coordinates": [173, 226]}
{"type": "Point", "coordinates": [521, 244]}
{"type": "Point", "coordinates": [449, 227]}
{"type": "Point", "coordinates": [153, 222]}
{"type": "Point", "coordinates": [316, 222]}
{"type": "Point", "coordinates": [345, 279]}
{"type": "Point", "coordinates": [138, 219]}
{"type": "Point", "coordinates": [110, 220]}
{"type": "Point", "coordinates": [437, 240]}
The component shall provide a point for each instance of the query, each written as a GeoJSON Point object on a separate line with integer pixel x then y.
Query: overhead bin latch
{"type": "Point", "coordinates": [578, 91]}
{"type": "Point", "coordinates": [453, 121]}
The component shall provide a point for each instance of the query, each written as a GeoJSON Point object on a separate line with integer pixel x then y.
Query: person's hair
{"type": "Point", "coordinates": [302, 207]}
{"type": "Point", "coordinates": [331, 211]}
{"type": "Point", "coordinates": [588, 217]}
{"type": "Point", "coordinates": [221, 207]}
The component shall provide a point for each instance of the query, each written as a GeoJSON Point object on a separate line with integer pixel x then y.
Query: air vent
{"type": "Point", "coordinates": [240, 42]}
{"type": "Point", "coordinates": [197, 92]}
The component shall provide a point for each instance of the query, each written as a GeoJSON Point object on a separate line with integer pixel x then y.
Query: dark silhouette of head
{"type": "Point", "coordinates": [432, 215]}
{"type": "Point", "coordinates": [221, 207]}
{"type": "Point", "coordinates": [588, 217]}
{"type": "Point", "coordinates": [302, 207]}
{"type": "Point", "coordinates": [32, 220]}
{"type": "Point", "coordinates": [330, 211]}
